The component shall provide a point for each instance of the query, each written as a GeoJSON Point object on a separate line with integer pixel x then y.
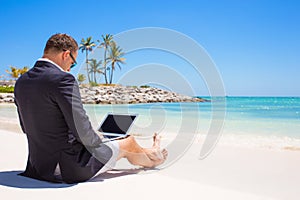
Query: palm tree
{"type": "Point", "coordinates": [87, 45]}
{"type": "Point", "coordinates": [15, 72]}
{"type": "Point", "coordinates": [81, 78]}
{"type": "Point", "coordinates": [115, 58]}
{"type": "Point", "coordinates": [23, 70]}
{"type": "Point", "coordinates": [95, 68]}
{"type": "Point", "coordinates": [107, 41]}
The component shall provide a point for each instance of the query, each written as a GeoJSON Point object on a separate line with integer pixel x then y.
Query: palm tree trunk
{"type": "Point", "coordinates": [95, 80]}
{"type": "Point", "coordinates": [112, 71]}
{"type": "Point", "coordinates": [87, 65]}
{"type": "Point", "coordinates": [105, 71]}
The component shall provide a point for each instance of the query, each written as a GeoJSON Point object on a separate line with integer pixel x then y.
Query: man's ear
{"type": "Point", "coordinates": [65, 54]}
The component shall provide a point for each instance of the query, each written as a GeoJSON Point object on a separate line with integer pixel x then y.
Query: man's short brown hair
{"type": "Point", "coordinates": [60, 42]}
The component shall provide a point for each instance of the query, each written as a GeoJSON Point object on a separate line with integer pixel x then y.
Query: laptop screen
{"type": "Point", "coordinates": [116, 123]}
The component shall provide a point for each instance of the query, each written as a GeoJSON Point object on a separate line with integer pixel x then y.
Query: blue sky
{"type": "Point", "coordinates": [255, 44]}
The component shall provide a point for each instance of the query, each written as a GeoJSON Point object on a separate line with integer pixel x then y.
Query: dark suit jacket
{"type": "Point", "coordinates": [57, 127]}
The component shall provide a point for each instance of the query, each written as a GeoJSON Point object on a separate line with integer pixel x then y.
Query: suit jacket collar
{"type": "Point", "coordinates": [50, 61]}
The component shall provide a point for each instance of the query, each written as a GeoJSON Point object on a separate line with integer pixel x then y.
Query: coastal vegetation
{"type": "Point", "coordinates": [104, 66]}
{"type": "Point", "coordinates": [81, 78]}
{"type": "Point", "coordinates": [95, 68]}
{"type": "Point", "coordinates": [87, 46]}
{"type": "Point", "coordinates": [92, 89]}
{"type": "Point", "coordinates": [113, 57]}
{"type": "Point", "coordinates": [15, 72]}
{"type": "Point", "coordinates": [6, 89]}
{"type": "Point", "coordinates": [106, 42]}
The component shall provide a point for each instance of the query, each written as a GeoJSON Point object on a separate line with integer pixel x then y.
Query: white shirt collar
{"type": "Point", "coordinates": [50, 61]}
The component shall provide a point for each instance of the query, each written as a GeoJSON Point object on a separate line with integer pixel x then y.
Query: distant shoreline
{"type": "Point", "coordinates": [122, 95]}
{"type": "Point", "coordinates": [132, 95]}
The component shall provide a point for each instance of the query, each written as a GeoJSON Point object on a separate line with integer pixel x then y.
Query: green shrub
{"type": "Point", "coordinates": [109, 84]}
{"type": "Point", "coordinates": [145, 86]}
{"type": "Point", "coordinates": [6, 89]}
{"type": "Point", "coordinates": [93, 84]}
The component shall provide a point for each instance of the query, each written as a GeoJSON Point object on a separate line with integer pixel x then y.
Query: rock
{"type": "Point", "coordinates": [7, 98]}
{"type": "Point", "coordinates": [121, 95]}
{"type": "Point", "coordinates": [127, 94]}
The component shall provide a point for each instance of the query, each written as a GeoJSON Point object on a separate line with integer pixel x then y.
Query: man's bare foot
{"type": "Point", "coordinates": [161, 157]}
{"type": "Point", "coordinates": [155, 154]}
{"type": "Point", "coordinates": [146, 157]}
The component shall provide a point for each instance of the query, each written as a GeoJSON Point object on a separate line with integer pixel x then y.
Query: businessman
{"type": "Point", "coordinates": [63, 147]}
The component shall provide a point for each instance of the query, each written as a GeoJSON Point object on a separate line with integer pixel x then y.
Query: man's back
{"type": "Point", "coordinates": [44, 96]}
{"type": "Point", "coordinates": [35, 95]}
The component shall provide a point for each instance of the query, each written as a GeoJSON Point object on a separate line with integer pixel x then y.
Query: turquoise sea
{"type": "Point", "coordinates": [272, 122]}
{"type": "Point", "coordinates": [252, 121]}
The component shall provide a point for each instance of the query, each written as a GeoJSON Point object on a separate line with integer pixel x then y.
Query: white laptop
{"type": "Point", "coordinates": [116, 126]}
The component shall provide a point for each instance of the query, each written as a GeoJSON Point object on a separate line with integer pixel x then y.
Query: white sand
{"type": "Point", "coordinates": [227, 173]}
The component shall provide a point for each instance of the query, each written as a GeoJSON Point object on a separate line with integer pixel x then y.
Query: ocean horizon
{"type": "Point", "coordinates": [272, 122]}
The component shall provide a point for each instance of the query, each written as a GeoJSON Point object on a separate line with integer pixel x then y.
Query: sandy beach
{"type": "Point", "coordinates": [227, 173]}
{"type": "Point", "coordinates": [218, 81]}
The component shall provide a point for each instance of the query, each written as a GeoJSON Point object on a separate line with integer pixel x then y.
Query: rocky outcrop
{"type": "Point", "coordinates": [6, 98]}
{"type": "Point", "coordinates": [7, 83]}
{"type": "Point", "coordinates": [131, 95]}
{"type": "Point", "coordinates": [121, 95]}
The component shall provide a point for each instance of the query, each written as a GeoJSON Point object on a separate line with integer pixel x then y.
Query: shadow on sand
{"type": "Point", "coordinates": [12, 179]}
{"type": "Point", "coordinates": [114, 174]}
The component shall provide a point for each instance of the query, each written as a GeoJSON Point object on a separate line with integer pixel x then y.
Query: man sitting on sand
{"type": "Point", "coordinates": [63, 147]}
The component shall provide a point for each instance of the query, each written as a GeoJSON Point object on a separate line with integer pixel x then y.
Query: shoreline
{"type": "Point", "coordinates": [276, 144]}
{"type": "Point", "coordinates": [248, 132]}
